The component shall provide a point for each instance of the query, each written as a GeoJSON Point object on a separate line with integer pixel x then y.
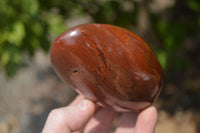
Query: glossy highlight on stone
{"type": "Point", "coordinates": [109, 65]}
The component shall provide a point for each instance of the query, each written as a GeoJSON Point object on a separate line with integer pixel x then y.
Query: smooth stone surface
{"type": "Point", "coordinates": [109, 65]}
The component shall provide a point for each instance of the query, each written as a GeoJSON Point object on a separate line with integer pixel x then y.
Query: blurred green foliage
{"type": "Point", "coordinates": [173, 27]}
{"type": "Point", "coordinates": [24, 28]}
{"type": "Point", "coordinates": [29, 25]}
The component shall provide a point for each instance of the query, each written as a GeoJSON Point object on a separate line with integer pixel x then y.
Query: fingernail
{"type": "Point", "coordinates": [83, 105]}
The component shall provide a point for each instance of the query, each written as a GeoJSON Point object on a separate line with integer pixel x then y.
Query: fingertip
{"type": "Point", "coordinates": [80, 114]}
{"type": "Point", "coordinates": [149, 114]}
{"type": "Point", "coordinates": [77, 100]}
{"type": "Point", "coordinates": [147, 120]}
{"type": "Point", "coordinates": [85, 105]}
{"type": "Point", "coordinates": [71, 118]}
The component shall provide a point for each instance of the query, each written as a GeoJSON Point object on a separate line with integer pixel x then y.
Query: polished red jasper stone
{"type": "Point", "coordinates": [109, 65]}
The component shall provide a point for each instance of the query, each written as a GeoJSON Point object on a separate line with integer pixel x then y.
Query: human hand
{"type": "Point", "coordinates": [83, 114]}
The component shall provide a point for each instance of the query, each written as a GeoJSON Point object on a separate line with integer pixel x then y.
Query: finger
{"type": "Point", "coordinates": [77, 100]}
{"type": "Point", "coordinates": [127, 123]}
{"type": "Point", "coordinates": [101, 122]}
{"type": "Point", "coordinates": [77, 132]}
{"type": "Point", "coordinates": [147, 120]}
{"type": "Point", "coordinates": [69, 119]}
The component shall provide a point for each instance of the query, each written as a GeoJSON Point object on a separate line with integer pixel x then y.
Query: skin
{"type": "Point", "coordinates": [83, 115]}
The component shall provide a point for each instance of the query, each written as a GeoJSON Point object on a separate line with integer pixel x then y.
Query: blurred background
{"type": "Point", "coordinates": [29, 88]}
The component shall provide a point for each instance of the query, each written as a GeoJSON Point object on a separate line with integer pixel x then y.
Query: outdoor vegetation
{"type": "Point", "coordinates": [172, 29]}
{"type": "Point", "coordinates": [27, 25]}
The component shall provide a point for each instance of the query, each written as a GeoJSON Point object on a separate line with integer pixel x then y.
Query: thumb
{"type": "Point", "coordinates": [69, 119]}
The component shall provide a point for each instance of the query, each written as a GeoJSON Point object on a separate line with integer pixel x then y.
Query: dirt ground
{"type": "Point", "coordinates": [26, 100]}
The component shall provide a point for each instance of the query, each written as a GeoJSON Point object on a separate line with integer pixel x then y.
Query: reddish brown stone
{"type": "Point", "coordinates": [108, 64]}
